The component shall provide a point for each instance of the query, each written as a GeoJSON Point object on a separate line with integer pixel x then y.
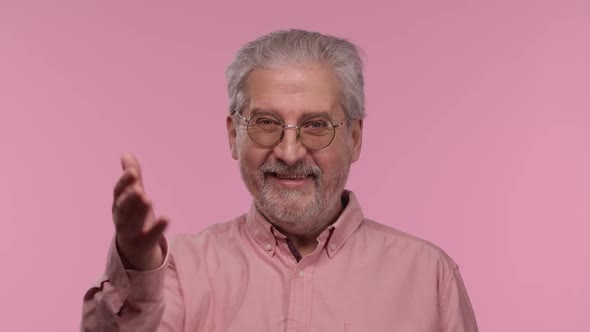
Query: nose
{"type": "Point", "coordinates": [290, 150]}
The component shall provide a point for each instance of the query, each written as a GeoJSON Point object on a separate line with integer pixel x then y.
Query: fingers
{"type": "Point", "coordinates": [131, 200]}
{"type": "Point", "coordinates": [131, 174]}
{"type": "Point", "coordinates": [143, 252]}
{"type": "Point", "coordinates": [138, 231]}
{"type": "Point", "coordinates": [128, 178]}
{"type": "Point", "coordinates": [154, 234]}
{"type": "Point", "coordinates": [128, 160]}
{"type": "Point", "coordinates": [130, 209]}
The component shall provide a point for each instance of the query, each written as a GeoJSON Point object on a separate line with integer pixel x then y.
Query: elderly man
{"type": "Point", "coordinates": [304, 257]}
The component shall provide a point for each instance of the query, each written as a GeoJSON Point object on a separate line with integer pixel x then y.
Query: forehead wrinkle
{"type": "Point", "coordinates": [302, 115]}
{"type": "Point", "coordinates": [294, 92]}
{"type": "Point", "coordinates": [280, 103]}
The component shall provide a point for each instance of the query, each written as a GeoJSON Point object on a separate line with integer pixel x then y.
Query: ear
{"type": "Point", "coordinates": [231, 136]}
{"type": "Point", "coordinates": [357, 138]}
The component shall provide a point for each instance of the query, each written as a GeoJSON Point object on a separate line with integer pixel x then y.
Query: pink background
{"type": "Point", "coordinates": [477, 138]}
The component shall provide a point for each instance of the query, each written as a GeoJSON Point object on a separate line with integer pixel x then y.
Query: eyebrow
{"type": "Point", "coordinates": [305, 114]}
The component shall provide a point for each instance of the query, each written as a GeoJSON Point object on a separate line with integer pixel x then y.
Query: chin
{"type": "Point", "coordinates": [290, 208]}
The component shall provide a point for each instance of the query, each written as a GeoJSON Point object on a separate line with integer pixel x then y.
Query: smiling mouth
{"type": "Point", "coordinates": [290, 176]}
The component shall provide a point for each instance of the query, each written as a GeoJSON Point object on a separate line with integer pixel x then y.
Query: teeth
{"type": "Point", "coordinates": [292, 177]}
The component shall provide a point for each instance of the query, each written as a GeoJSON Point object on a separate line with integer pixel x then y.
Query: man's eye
{"type": "Point", "coordinates": [315, 124]}
{"type": "Point", "coordinates": [266, 122]}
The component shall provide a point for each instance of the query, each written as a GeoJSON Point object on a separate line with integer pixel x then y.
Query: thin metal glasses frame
{"type": "Point", "coordinates": [296, 127]}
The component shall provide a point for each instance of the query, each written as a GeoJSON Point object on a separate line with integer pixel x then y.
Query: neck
{"type": "Point", "coordinates": [304, 245]}
{"type": "Point", "coordinates": [307, 242]}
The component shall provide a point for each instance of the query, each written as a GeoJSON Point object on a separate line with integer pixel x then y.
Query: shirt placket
{"type": "Point", "coordinates": [299, 314]}
{"type": "Point", "coordinates": [300, 300]}
{"type": "Point", "coordinates": [301, 281]}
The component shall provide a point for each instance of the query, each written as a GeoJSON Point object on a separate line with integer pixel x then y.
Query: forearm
{"type": "Point", "coordinates": [125, 300]}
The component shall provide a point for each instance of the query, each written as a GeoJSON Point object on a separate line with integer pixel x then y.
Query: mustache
{"type": "Point", "coordinates": [298, 168]}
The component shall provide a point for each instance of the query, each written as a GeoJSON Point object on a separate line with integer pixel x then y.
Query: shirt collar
{"type": "Point", "coordinates": [333, 238]}
{"type": "Point", "coordinates": [347, 223]}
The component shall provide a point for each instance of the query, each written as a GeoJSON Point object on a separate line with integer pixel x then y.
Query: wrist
{"type": "Point", "coordinates": [140, 259]}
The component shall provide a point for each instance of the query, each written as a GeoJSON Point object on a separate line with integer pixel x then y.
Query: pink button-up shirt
{"type": "Point", "coordinates": [242, 275]}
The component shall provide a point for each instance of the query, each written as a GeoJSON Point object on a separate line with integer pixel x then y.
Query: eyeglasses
{"type": "Point", "coordinates": [315, 131]}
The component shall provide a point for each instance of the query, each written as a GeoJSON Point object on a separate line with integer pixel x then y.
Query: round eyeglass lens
{"type": "Point", "coordinates": [265, 128]}
{"type": "Point", "coordinates": [316, 132]}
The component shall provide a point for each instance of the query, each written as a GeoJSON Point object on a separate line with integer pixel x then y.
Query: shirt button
{"type": "Point", "coordinates": [332, 246]}
{"type": "Point", "coordinates": [301, 274]}
{"type": "Point", "coordinates": [268, 247]}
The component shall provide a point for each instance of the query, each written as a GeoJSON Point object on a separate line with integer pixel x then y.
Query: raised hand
{"type": "Point", "coordinates": [138, 230]}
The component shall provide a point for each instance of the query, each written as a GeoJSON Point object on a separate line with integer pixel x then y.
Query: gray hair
{"type": "Point", "coordinates": [287, 47]}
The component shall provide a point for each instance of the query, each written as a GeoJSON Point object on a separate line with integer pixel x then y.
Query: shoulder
{"type": "Point", "coordinates": [394, 241]}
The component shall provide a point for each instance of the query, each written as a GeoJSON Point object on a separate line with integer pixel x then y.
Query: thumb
{"type": "Point", "coordinates": [154, 234]}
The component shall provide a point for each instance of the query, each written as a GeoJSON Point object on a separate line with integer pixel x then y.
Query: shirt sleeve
{"type": "Point", "coordinates": [456, 311]}
{"type": "Point", "coordinates": [128, 300]}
